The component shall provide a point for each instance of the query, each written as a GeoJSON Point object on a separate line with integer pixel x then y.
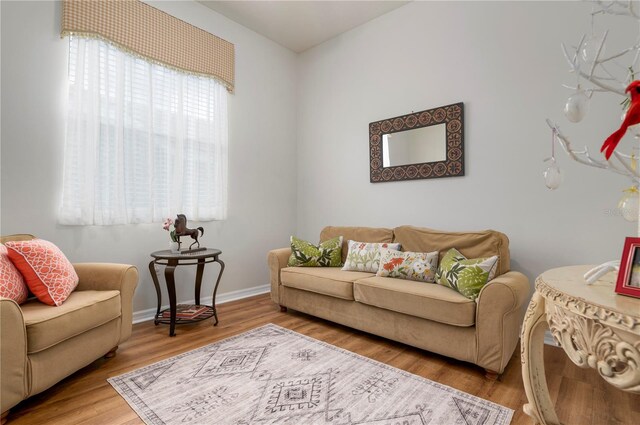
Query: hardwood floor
{"type": "Point", "coordinates": [581, 397]}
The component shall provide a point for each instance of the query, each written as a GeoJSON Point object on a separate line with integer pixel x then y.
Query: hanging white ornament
{"type": "Point", "coordinates": [629, 204]}
{"type": "Point", "coordinates": [592, 47]}
{"type": "Point", "coordinates": [552, 175]}
{"type": "Point", "coordinates": [577, 105]}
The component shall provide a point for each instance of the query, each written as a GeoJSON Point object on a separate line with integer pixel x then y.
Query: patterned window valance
{"type": "Point", "coordinates": [153, 34]}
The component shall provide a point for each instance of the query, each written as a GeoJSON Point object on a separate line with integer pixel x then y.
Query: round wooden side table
{"type": "Point", "coordinates": [596, 328]}
{"type": "Point", "coordinates": [171, 261]}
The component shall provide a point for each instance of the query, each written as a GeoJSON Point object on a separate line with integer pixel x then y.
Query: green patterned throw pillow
{"type": "Point", "coordinates": [466, 276]}
{"type": "Point", "coordinates": [306, 254]}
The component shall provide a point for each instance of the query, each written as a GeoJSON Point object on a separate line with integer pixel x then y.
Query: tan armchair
{"type": "Point", "coordinates": [40, 344]}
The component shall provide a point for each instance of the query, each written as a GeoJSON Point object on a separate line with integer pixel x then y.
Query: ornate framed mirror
{"type": "Point", "coordinates": [420, 145]}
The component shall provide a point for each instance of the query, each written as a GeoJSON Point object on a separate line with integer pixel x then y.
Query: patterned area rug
{"type": "Point", "coordinates": [271, 375]}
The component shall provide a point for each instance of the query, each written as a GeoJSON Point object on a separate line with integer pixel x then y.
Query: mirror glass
{"type": "Point", "coordinates": [427, 144]}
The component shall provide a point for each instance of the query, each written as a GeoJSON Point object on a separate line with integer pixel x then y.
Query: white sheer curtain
{"type": "Point", "coordinates": [143, 142]}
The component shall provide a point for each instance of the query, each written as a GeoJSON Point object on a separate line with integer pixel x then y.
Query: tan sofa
{"type": "Point", "coordinates": [423, 315]}
{"type": "Point", "coordinates": [41, 344]}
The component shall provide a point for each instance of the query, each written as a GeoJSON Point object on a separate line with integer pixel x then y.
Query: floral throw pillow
{"type": "Point", "coordinates": [466, 276]}
{"type": "Point", "coordinates": [365, 256]}
{"type": "Point", "coordinates": [306, 254]}
{"type": "Point", "coordinates": [408, 265]}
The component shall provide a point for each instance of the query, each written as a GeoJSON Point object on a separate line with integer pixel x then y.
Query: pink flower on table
{"type": "Point", "coordinates": [167, 224]}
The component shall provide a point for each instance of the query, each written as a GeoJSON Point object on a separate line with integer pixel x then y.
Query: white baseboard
{"type": "Point", "coordinates": [149, 314]}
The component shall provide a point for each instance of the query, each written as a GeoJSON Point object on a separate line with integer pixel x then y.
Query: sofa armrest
{"type": "Point", "coordinates": [277, 259]}
{"type": "Point", "coordinates": [13, 355]}
{"type": "Point", "coordinates": [499, 316]}
{"type": "Point", "coordinates": [110, 276]}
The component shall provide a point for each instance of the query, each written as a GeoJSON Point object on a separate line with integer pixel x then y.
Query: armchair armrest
{"type": "Point", "coordinates": [13, 355]}
{"type": "Point", "coordinates": [499, 316]}
{"type": "Point", "coordinates": [110, 276]}
{"type": "Point", "coordinates": [277, 259]}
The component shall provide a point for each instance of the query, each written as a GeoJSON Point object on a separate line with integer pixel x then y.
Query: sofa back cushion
{"type": "Point", "coordinates": [360, 234]}
{"type": "Point", "coordinates": [17, 237]}
{"type": "Point", "coordinates": [484, 243]}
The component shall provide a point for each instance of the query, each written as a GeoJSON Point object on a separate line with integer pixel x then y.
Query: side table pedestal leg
{"type": "Point", "coordinates": [156, 284]}
{"type": "Point", "coordinates": [215, 290]}
{"type": "Point", "coordinates": [199, 273]}
{"type": "Point", "coordinates": [539, 408]}
{"type": "Point", "coordinates": [171, 289]}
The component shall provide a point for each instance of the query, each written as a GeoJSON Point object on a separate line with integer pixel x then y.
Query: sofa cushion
{"type": "Point", "coordinates": [486, 243]}
{"type": "Point", "coordinates": [425, 300]}
{"type": "Point", "coordinates": [362, 234]}
{"type": "Point", "coordinates": [322, 280]}
{"type": "Point", "coordinates": [82, 311]}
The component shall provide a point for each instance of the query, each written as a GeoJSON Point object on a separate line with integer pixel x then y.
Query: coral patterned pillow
{"type": "Point", "coordinates": [409, 265]}
{"type": "Point", "coordinates": [48, 273]}
{"type": "Point", "coordinates": [11, 282]}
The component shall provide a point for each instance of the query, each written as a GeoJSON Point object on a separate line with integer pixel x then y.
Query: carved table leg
{"type": "Point", "coordinates": [199, 273]}
{"type": "Point", "coordinates": [539, 408]}
{"type": "Point", "coordinates": [171, 289]}
{"type": "Point", "coordinates": [215, 290]}
{"type": "Point", "coordinates": [154, 277]}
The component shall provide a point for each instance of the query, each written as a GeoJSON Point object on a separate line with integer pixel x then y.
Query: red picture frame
{"type": "Point", "coordinates": [628, 282]}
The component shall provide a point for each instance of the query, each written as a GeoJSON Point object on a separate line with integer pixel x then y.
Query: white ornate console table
{"type": "Point", "coordinates": [596, 328]}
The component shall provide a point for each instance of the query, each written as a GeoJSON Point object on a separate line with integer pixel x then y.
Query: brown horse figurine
{"type": "Point", "coordinates": [182, 230]}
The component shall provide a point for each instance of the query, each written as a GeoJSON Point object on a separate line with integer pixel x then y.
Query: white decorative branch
{"type": "Point", "coordinates": [575, 67]}
{"type": "Point", "coordinates": [628, 166]}
{"type": "Point", "coordinates": [602, 79]}
{"type": "Point", "coordinates": [585, 158]}
{"type": "Point", "coordinates": [617, 8]}
{"type": "Point", "coordinates": [598, 53]}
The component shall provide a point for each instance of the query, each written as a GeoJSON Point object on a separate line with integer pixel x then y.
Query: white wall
{"type": "Point", "coordinates": [503, 60]}
{"type": "Point", "coordinates": [262, 185]}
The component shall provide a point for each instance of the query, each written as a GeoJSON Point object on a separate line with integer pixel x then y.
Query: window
{"type": "Point", "coordinates": [143, 143]}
